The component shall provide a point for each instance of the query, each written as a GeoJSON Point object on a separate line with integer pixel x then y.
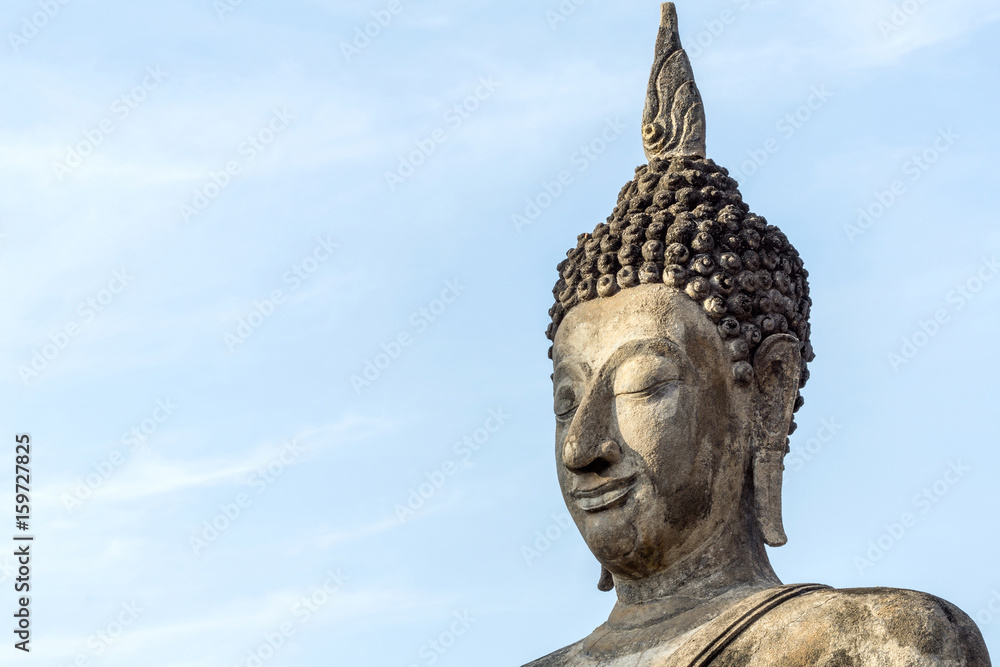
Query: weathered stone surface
{"type": "Point", "coordinates": [680, 343]}
{"type": "Point", "coordinates": [851, 627]}
{"type": "Point", "coordinates": [673, 122]}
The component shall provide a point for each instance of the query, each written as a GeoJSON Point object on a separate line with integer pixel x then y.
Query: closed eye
{"type": "Point", "coordinates": [566, 401]}
{"type": "Point", "coordinates": [662, 388]}
{"type": "Point", "coordinates": [646, 375]}
{"type": "Point", "coordinates": [567, 415]}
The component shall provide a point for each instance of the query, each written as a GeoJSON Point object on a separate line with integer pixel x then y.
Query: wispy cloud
{"type": "Point", "coordinates": [153, 474]}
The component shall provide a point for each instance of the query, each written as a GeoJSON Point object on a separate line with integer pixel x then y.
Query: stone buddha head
{"type": "Point", "coordinates": [680, 342]}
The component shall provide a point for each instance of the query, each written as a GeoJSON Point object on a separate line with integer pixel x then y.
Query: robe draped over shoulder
{"type": "Point", "coordinates": [801, 625]}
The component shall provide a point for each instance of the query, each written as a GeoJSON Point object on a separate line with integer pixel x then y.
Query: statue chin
{"type": "Point", "coordinates": [613, 546]}
{"type": "Point", "coordinates": [680, 345]}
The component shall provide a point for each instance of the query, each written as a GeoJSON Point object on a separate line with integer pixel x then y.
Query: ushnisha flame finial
{"type": "Point", "coordinates": [673, 122]}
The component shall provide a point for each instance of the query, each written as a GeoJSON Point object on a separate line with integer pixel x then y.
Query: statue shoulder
{"type": "Point", "coordinates": [861, 626]}
{"type": "Point", "coordinates": [570, 655]}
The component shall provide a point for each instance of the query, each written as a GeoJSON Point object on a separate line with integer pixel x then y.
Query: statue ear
{"type": "Point", "coordinates": [777, 367]}
{"type": "Point", "coordinates": [606, 582]}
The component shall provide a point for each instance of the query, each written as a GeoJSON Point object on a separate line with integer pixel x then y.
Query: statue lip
{"type": "Point", "coordinates": [603, 496]}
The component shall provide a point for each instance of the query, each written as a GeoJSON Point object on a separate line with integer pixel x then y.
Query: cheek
{"type": "Point", "coordinates": [658, 430]}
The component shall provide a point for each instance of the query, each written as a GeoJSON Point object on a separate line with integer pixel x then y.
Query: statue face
{"type": "Point", "coordinates": [651, 435]}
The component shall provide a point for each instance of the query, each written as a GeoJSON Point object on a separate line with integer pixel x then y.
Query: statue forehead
{"type": "Point", "coordinates": [593, 330]}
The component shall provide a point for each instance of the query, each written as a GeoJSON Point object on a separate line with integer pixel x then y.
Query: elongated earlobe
{"type": "Point", "coordinates": [777, 367]}
{"type": "Point", "coordinates": [606, 582]}
{"type": "Point", "coordinates": [768, 469]}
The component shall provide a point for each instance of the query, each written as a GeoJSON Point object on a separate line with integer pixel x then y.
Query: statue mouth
{"type": "Point", "coordinates": [610, 494]}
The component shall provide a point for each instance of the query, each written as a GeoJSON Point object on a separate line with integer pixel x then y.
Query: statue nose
{"type": "Point", "coordinates": [580, 456]}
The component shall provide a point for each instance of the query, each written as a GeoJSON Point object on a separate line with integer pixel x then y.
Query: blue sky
{"type": "Point", "coordinates": [197, 289]}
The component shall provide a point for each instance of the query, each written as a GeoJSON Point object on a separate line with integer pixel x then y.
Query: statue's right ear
{"type": "Point", "coordinates": [777, 367]}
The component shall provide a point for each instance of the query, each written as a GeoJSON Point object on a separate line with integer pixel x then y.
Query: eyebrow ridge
{"type": "Point", "coordinates": [571, 363]}
{"type": "Point", "coordinates": [630, 348]}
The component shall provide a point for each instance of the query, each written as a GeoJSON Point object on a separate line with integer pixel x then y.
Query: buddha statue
{"type": "Point", "coordinates": [680, 344]}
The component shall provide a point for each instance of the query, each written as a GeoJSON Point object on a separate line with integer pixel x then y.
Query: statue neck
{"type": "Point", "coordinates": [732, 561]}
